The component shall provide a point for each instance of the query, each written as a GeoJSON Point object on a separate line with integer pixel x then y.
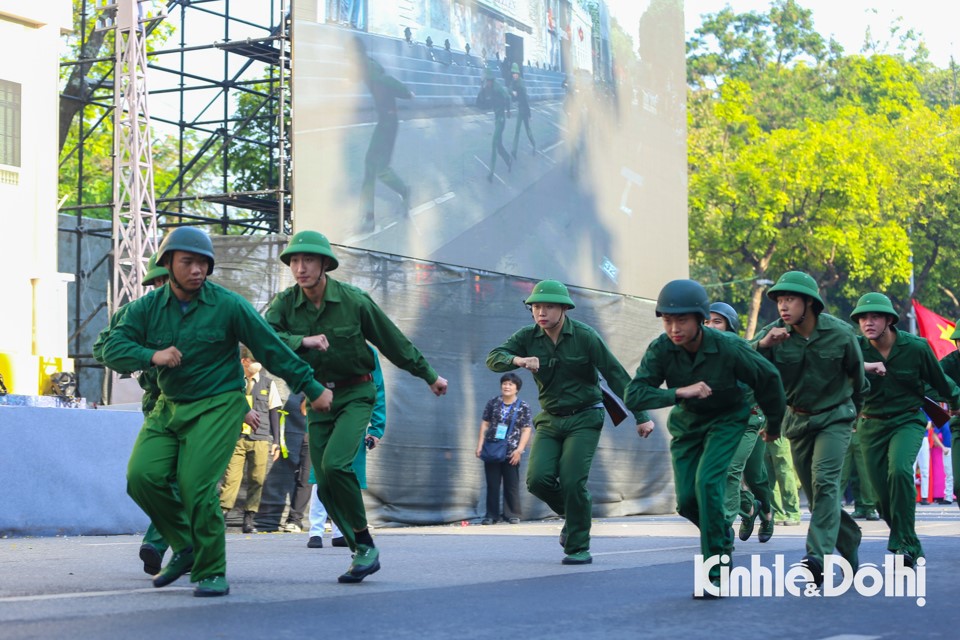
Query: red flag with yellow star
{"type": "Point", "coordinates": [936, 329]}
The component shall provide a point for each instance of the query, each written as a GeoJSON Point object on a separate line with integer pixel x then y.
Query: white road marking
{"type": "Point", "coordinates": [488, 170]}
{"type": "Point", "coordinates": [88, 594]}
{"type": "Point", "coordinates": [337, 128]}
{"type": "Point", "coordinates": [658, 549]}
{"type": "Point", "coordinates": [364, 236]}
{"type": "Point", "coordinates": [430, 204]}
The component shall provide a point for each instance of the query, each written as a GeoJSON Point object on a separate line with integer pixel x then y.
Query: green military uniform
{"type": "Point", "coordinates": [757, 483]}
{"type": "Point", "coordinates": [151, 392]}
{"type": "Point", "coordinates": [747, 481]}
{"type": "Point", "coordinates": [192, 431]}
{"type": "Point", "coordinates": [494, 96]}
{"type": "Point", "coordinates": [784, 495]}
{"type": "Point", "coordinates": [893, 426]}
{"type": "Point", "coordinates": [951, 366]}
{"type": "Point", "coordinates": [567, 429]}
{"type": "Point", "coordinates": [378, 420]}
{"type": "Point", "coordinates": [855, 474]}
{"type": "Point", "coordinates": [705, 432]}
{"type": "Point", "coordinates": [824, 380]}
{"type": "Point", "coordinates": [376, 428]}
{"type": "Point", "coordinates": [349, 318]}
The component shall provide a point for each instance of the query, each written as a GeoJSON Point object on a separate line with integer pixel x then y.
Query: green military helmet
{"type": "Point", "coordinates": [489, 74]}
{"type": "Point", "coordinates": [874, 303]}
{"type": "Point", "coordinates": [550, 292]}
{"type": "Point", "coordinates": [188, 239]}
{"type": "Point", "coordinates": [514, 68]}
{"type": "Point", "coordinates": [729, 314]}
{"type": "Point", "coordinates": [154, 271]}
{"type": "Point", "coordinates": [310, 242]}
{"type": "Point", "coordinates": [797, 282]}
{"type": "Point", "coordinates": [683, 296]}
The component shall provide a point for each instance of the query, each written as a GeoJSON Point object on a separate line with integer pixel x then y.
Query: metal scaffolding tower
{"type": "Point", "coordinates": [219, 77]}
{"type": "Point", "coordinates": [227, 51]}
{"type": "Point", "coordinates": [134, 205]}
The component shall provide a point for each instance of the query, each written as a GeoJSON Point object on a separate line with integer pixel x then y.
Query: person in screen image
{"type": "Point", "coordinates": [493, 96]}
{"type": "Point", "coordinates": [518, 90]}
{"type": "Point", "coordinates": [385, 90]}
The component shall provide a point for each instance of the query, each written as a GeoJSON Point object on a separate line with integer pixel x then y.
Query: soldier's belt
{"type": "Point", "coordinates": [887, 416]}
{"type": "Point", "coordinates": [349, 382]}
{"type": "Point", "coordinates": [814, 412]}
{"type": "Point", "coordinates": [566, 413]}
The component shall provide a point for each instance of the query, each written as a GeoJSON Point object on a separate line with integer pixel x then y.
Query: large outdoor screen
{"type": "Point", "coordinates": [540, 138]}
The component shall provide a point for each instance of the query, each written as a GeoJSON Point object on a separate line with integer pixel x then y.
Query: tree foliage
{"type": "Point", "coordinates": [804, 157]}
{"type": "Point", "coordinates": [86, 125]}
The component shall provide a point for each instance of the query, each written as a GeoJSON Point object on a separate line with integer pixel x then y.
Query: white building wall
{"type": "Point", "coordinates": [580, 48]}
{"type": "Point", "coordinates": [33, 322]}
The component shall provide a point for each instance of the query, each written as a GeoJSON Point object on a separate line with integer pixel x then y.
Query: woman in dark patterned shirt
{"type": "Point", "coordinates": [505, 417]}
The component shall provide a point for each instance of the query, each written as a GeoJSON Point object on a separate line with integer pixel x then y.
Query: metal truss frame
{"type": "Point", "coordinates": [251, 42]}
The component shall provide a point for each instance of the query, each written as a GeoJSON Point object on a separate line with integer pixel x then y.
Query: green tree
{"type": "Point", "coordinates": [86, 126]}
{"type": "Point", "coordinates": [803, 158]}
{"type": "Point", "coordinates": [779, 55]}
{"type": "Point", "coordinates": [255, 154]}
{"type": "Point", "coordinates": [933, 223]}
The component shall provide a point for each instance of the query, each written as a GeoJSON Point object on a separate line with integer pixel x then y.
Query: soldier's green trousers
{"type": "Point", "coordinates": [499, 124]}
{"type": "Point", "coordinates": [560, 460]}
{"type": "Point", "coordinates": [376, 164]}
{"type": "Point", "coordinates": [516, 133]}
{"type": "Point", "coordinates": [152, 536]}
{"type": "Point", "coordinates": [819, 443]}
{"type": "Point", "coordinates": [785, 497]}
{"type": "Point", "coordinates": [747, 479]}
{"type": "Point", "coordinates": [891, 447]}
{"type": "Point", "coordinates": [701, 450]}
{"type": "Point", "coordinates": [757, 482]}
{"type": "Point", "coordinates": [335, 440]}
{"type": "Point", "coordinates": [864, 497]}
{"type": "Point", "coordinates": [192, 441]}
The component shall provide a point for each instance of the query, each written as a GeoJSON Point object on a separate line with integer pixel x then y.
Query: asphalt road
{"type": "Point", "coordinates": [461, 582]}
